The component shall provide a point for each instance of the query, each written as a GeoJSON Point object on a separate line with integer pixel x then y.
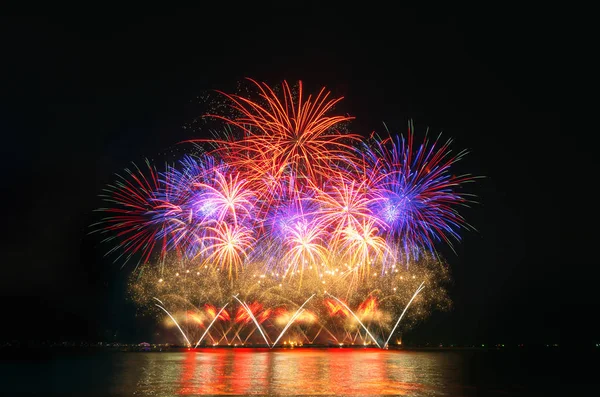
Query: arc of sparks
{"type": "Point", "coordinates": [356, 317]}
{"type": "Point", "coordinates": [175, 321]}
{"type": "Point", "coordinates": [291, 320]}
{"type": "Point", "coordinates": [404, 311]}
{"type": "Point", "coordinates": [210, 325]}
{"type": "Point", "coordinates": [253, 319]}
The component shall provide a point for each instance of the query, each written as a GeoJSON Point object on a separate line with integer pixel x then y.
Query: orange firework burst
{"type": "Point", "coordinates": [288, 134]}
{"type": "Point", "coordinates": [243, 314]}
{"type": "Point", "coordinates": [362, 244]}
{"type": "Point", "coordinates": [334, 307]}
{"type": "Point", "coordinates": [305, 247]}
{"type": "Point", "coordinates": [344, 203]}
{"type": "Point", "coordinates": [213, 312]}
{"type": "Point", "coordinates": [227, 245]}
{"type": "Point", "coordinates": [368, 307]}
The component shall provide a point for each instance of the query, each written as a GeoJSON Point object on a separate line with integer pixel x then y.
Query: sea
{"type": "Point", "coordinates": [297, 371]}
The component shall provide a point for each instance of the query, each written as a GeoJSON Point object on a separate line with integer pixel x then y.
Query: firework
{"type": "Point", "coordinates": [287, 134]}
{"type": "Point", "coordinates": [419, 195]}
{"type": "Point", "coordinates": [316, 308]}
{"type": "Point", "coordinates": [293, 223]}
{"type": "Point", "coordinates": [138, 200]}
{"type": "Point", "coordinates": [227, 246]}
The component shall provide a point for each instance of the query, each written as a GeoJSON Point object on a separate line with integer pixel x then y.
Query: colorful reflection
{"type": "Point", "coordinates": [241, 371]}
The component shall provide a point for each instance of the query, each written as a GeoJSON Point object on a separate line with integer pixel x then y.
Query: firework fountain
{"type": "Point", "coordinates": [292, 225]}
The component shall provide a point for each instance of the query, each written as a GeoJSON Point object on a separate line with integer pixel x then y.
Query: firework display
{"type": "Point", "coordinates": [289, 225]}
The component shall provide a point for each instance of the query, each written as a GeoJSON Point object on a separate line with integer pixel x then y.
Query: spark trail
{"type": "Point", "coordinates": [357, 319]}
{"type": "Point", "coordinates": [404, 311]}
{"type": "Point", "coordinates": [177, 324]}
{"type": "Point", "coordinates": [210, 325]}
{"type": "Point", "coordinates": [291, 321]}
{"type": "Point", "coordinates": [253, 319]}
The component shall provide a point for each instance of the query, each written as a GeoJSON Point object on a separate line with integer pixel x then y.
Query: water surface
{"type": "Point", "coordinates": [246, 371]}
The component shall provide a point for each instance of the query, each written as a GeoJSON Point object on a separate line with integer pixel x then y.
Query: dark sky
{"type": "Point", "coordinates": [85, 95]}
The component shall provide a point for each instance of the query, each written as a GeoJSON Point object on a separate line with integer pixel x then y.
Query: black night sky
{"type": "Point", "coordinates": [85, 92]}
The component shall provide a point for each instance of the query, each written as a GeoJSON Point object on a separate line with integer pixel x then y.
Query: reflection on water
{"type": "Point", "coordinates": [286, 372]}
{"type": "Point", "coordinates": [301, 371]}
